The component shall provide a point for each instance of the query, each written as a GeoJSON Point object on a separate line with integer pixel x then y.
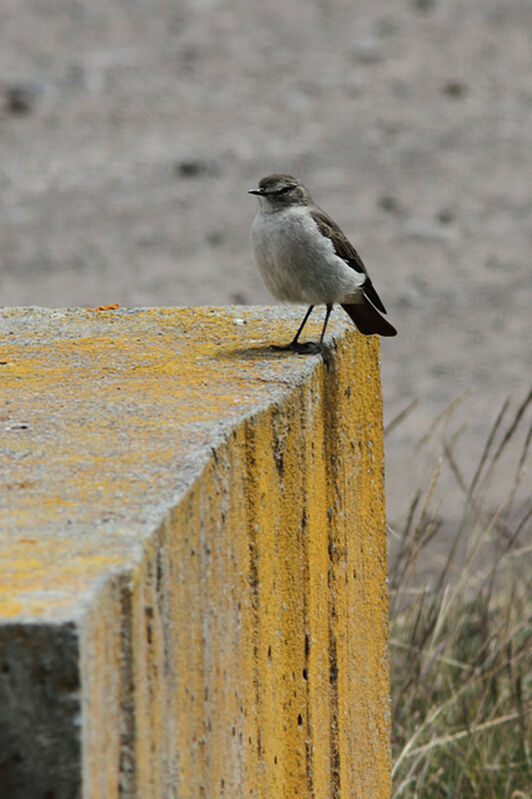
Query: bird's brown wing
{"type": "Point", "coordinates": [345, 250]}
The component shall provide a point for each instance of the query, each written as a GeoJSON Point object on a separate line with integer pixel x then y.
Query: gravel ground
{"type": "Point", "coordinates": [130, 133]}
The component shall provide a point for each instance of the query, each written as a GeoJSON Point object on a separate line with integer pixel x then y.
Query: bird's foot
{"type": "Point", "coordinates": [306, 348]}
{"type": "Point", "coordinates": [281, 347]}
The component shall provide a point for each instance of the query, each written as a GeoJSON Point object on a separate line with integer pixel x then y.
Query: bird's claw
{"type": "Point", "coordinates": [306, 348]}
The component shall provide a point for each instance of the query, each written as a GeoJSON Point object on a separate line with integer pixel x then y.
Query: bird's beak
{"type": "Point", "coordinates": [255, 191]}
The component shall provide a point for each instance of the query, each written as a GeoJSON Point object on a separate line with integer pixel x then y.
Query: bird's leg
{"type": "Point", "coordinates": [327, 314]}
{"type": "Point", "coordinates": [310, 347]}
{"type": "Point", "coordinates": [294, 343]}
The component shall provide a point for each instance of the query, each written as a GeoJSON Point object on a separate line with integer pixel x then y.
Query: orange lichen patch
{"type": "Point", "coordinates": [112, 307]}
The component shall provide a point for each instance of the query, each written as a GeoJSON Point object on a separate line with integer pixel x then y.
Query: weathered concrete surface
{"type": "Point", "coordinates": [192, 558]}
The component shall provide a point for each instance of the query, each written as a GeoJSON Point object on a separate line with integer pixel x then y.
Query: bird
{"type": "Point", "coordinates": [304, 257]}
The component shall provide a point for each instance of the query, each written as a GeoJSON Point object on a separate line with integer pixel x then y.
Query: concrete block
{"type": "Point", "coordinates": [192, 558]}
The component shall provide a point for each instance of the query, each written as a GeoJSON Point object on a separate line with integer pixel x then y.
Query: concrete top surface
{"type": "Point", "coordinates": [106, 418]}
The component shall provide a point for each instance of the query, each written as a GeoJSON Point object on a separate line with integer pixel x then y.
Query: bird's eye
{"type": "Point", "coordinates": [285, 189]}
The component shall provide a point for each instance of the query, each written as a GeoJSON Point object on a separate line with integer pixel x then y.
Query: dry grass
{"type": "Point", "coordinates": [461, 644]}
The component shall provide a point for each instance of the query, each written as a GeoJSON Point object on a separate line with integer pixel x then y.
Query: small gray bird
{"type": "Point", "coordinates": [304, 257]}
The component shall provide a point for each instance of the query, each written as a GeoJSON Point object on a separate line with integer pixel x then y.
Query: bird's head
{"type": "Point", "coordinates": [278, 191]}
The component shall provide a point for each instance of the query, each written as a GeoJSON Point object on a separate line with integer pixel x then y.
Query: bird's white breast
{"type": "Point", "coordinates": [298, 263]}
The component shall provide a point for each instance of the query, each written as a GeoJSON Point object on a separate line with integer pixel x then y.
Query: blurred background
{"type": "Point", "coordinates": [131, 131]}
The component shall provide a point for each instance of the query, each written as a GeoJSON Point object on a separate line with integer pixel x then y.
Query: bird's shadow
{"type": "Point", "coordinates": [270, 353]}
{"type": "Point", "coordinates": [264, 352]}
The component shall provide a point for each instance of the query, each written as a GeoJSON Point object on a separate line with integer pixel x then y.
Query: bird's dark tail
{"type": "Point", "coordinates": [368, 320]}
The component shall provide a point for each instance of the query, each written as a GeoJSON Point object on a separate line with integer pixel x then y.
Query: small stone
{"type": "Point", "coordinates": [215, 238]}
{"type": "Point", "coordinates": [424, 5]}
{"type": "Point", "coordinates": [195, 167]}
{"type": "Point", "coordinates": [389, 204]}
{"type": "Point", "coordinates": [20, 99]}
{"type": "Point", "coordinates": [445, 216]}
{"type": "Point", "coordinates": [454, 88]}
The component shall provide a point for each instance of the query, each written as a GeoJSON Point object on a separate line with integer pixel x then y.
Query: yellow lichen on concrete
{"type": "Point", "coordinates": [211, 514]}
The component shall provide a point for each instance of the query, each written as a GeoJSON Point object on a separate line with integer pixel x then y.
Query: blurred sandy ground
{"type": "Point", "coordinates": [131, 131]}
